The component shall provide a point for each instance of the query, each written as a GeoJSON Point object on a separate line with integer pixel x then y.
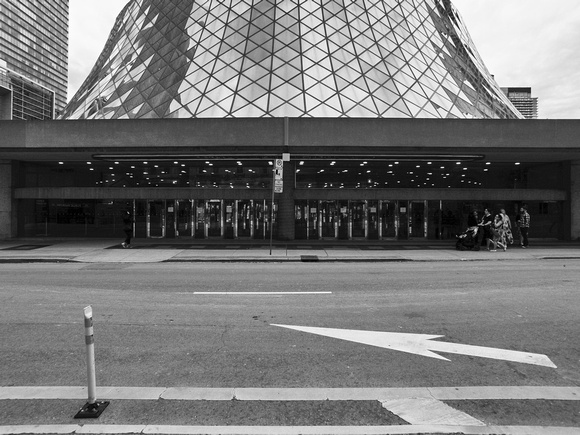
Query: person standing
{"type": "Point", "coordinates": [127, 228]}
{"type": "Point", "coordinates": [524, 226]}
{"type": "Point", "coordinates": [497, 234]}
{"type": "Point", "coordinates": [485, 225]}
{"type": "Point", "coordinates": [507, 227]}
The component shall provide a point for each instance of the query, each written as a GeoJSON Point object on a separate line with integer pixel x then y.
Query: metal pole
{"type": "Point", "coordinates": [272, 207]}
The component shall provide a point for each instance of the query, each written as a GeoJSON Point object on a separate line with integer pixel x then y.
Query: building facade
{"type": "Point", "coordinates": [297, 120]}
{"type": "Point", "coordinates": [343, 179]}
{"type": "Point", "coordinates": [33, 58]}
{"type": "Point", "coordinates": [522, 99]}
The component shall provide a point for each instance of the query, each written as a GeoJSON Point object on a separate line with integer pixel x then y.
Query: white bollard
{"type": "Point", "coordinates": [92, 408]}
{"type": "Point", "coordinates": [90, 342]}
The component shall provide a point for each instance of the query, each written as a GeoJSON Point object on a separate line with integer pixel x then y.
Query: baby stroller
{"type": "Point", "coordinates": [467, 241]}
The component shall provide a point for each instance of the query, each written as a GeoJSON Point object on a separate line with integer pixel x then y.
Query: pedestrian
{"type": "Point", "coordinates": [127, 228]}
{"type": "Point", "coordinates": [472, 219]}
{"type": "Point", "coordinates": [524, 226]}
{"type": "Point", "coordinates": [485, 225]}
{"type": "Point", "coordinates": [507, 227]}
{"type": "Point", "coordinates": [497, 234]}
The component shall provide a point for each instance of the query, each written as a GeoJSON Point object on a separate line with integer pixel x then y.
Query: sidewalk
{"type": "Point", "coordinates": [173, 250]}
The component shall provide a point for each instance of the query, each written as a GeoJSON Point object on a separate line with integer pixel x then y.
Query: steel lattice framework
{"type": "Point", "coordinates": [289, 58]}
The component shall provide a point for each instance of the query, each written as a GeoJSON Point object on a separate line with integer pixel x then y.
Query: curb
{"type": "Point", "coordinates": [37, 260]}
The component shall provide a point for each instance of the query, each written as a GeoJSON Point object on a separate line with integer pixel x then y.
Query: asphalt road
{"type": "Point", "coordinates": [213, 324]}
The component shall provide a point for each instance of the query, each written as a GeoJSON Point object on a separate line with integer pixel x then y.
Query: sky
{"type": "Point", "coordinates": [523, 43]}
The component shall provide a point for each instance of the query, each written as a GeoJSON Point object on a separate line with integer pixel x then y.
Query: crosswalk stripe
{"type": "Point", "coordinates": [429, 411]}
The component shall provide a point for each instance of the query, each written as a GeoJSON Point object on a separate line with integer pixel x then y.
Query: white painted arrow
{"type": "Point", "coordinates": [421, 344]}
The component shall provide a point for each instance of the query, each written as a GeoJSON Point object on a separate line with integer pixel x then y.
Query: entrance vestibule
{"type": "Point", "coordinates": [314, 219]}
{"type": "Point", "coordinates": [207, 219]}
{"type": "Point", "coordinates": [360, 219]}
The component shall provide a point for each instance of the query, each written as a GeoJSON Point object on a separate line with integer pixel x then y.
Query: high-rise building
{"type": "Point", "coordinates": [372, 59]}
{"type": "Point", "coordinates": [522, 99]}
{"type": "Point", "coordinates": [33, 58]}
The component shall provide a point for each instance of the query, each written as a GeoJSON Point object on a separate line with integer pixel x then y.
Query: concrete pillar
{"type": "Point", "coordinates": [6, 227]}
{"type": "Point", "coordinates": [286, 227]}
{"type": "Point", "coordinates": [575, 200]}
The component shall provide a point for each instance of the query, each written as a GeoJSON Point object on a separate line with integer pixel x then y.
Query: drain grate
{"type": "Point", "coordinates": [308, 258]}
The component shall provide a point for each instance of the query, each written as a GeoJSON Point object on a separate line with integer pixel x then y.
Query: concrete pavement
{"type": "Point", "coordinates": [174, 250]}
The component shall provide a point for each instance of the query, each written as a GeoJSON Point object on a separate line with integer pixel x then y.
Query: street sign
{"type": "Point", "coordinates": [279, 176]}
{"type": "Point", "coordinates": [422, 344]}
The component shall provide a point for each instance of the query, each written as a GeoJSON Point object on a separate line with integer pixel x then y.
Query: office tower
{"type": "Point", "coordinates": [522, 99]}
{"type": "Point", "coordinates": [33, 58]}
{"type": "Point", "coordinates": [377, 59]}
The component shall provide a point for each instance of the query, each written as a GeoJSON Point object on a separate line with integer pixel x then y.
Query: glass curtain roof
{"type": "Point", "coordinates": [289, 58]}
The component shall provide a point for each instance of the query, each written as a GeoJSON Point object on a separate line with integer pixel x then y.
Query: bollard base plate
{"type": "Point", "coordinates": [92, 410]}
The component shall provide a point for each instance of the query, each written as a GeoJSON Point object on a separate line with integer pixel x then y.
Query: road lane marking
{"type": "Point", "coordinates": [259, 293]}
{"type": "Point", "coordinates": [285, 430]}
{"type": "Point", "coordinates": [429, 411]}
{"type": "Point", "coordinates": [293, 394]}
{"type": "Point", "coordinates": [422, 344]}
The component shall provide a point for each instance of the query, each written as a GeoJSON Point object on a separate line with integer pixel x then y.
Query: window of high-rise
{"type": "Point", "coordinates": [522, 99]}
{"type": "Point", "coordinates": [33, 58]}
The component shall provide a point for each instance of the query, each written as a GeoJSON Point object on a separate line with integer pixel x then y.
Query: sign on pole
{"type": "Point", "coordinates": [279, 176]}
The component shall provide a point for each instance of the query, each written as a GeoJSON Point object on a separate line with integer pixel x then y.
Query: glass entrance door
{"type": "Point", "coordinates": [373, 220]}
{"type": "Point", "coordinates": [156, 218]}
{"type": "Point", "coordinates": [388, 229]}
{"type": "Point", "coordinates": [358, 218]}
{"type": "Point", "coordinates": [199, 230]}
{"type": "Point", "coordinates": [403, 223]}
{"type": "Point", "coordinates": [214, 218]}
{"type": "Point", "coordinates": [301, 220]}
{"type": "Point", "coordinates": [184, 218]}
{"type": "Point", "coordinates": [328, 219]}
{"type": "Point", "coordinates": [261, 219]}
{"type": "Point", "coordinates": [417, 221]}
{"type": "Point", "coordinates": [244, 218]}
{"type": "Point", "coordinates": [343, 220]}
{"type": "Point", "coordinates": [313, 220]}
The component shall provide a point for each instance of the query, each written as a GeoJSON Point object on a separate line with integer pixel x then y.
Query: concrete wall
{"type": "Point", "coordinates": [313, 135]}
{"type": "Point", "coordinates": [575, 200]}
{"type": "Point", "coordinates": [6, 206]}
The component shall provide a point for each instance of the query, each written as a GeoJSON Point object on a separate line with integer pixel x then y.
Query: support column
{"type": "Point", "coordinates": [6, 227]}
{"type": "Point", "coordinates": [286, 227]}
{"type": "Point", "coordinates": [575, 200]}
